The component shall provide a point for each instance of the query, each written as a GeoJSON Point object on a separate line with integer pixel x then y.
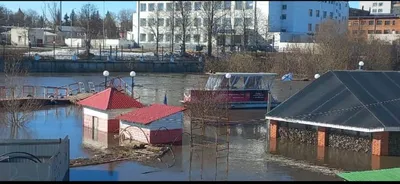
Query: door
{"type": "Point", "coordinates": [95, 126]}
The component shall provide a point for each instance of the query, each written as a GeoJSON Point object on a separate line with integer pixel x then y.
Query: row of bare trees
{"type": "Point", "coordinates": [184, 19]}
{"type": "Point", "coordinates": [333, 50]}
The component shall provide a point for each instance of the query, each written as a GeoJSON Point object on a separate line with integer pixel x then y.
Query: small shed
{"type": "Point", "coordinates": [392, 174]}
{"type": "Point", "coordinates": [352, 110]}
{"type": "Point", "coordinates": [155, 124]}
{"type": "Point", "coordinates": [101, 109]}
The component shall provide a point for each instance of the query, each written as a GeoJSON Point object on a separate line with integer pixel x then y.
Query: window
{"type": "Point", "coordinates": [218, 5]}
{"type": "Point", "coordinates": [371, 22]}
{"type": "Point", "coordinates": [394, 23]}
{"type": "Point", "coordinates": [380, 10]}
{"type": "Point", "coordinates": [355, 23]}
{"type": "Point", "coordinates": [249, 4]}
{"type": "Point", "coordinates": [151, 22]}
{"type": "Point", "coordinates": [142, 37]}
{"type": "Point", "coordinates": [143, 22]}
{"type": "Point", "coordinates": [374, 4]}
{"type": "Point", "coordinates": [316, 27]}
{"type": "Point", "coordinates": [283, 30]}
{"type": "Point", "coordinates": [188, 6]}
{"type": "Point", "coordinates": [160, 6]}
{"type": "Point", "coordinates": [227, 22]}
{"type": "Point", "coordinates": [151, 6]}
{"type": "Point", "coordinates": [363, 22]}
{"type": "Point", "coordinates": [324, 15]}
{"type": "Point", "coordinates": [380, 4]}
{"type": "Point", "coordinates": [238, 5]}
{"type": "Point", "coordinates": [197, 6]}
{"type": "Point", "coordinates": [354, 31]}
{"type": "Point", "coordinates": [248, 21]}
{"type": "Point", "coordinates": [310, 12]}
{"type": "Point", "coordinates": [238, 22]}
{"type": "Point", "coordinates": [387, 22]}
{"type": "Point", "coordinates": [196, 38]}
{"type": "Point", "coordinates": [167, 37]}
{"type": "Point", "coordinates": [378, 32]}
{"type": "Point", "coordinates": [370, 32]}
{"type": "Point", "coordinates": [19, 38]}
{"type": "Point", "coordinates": [227, 5]}
{"type": "Point", "coordinates": [178, 38]}
{"type": "Point", "coordinates": [283, 17]}
{"type": "Point", "coordinates": [386, 31]}
{"type": "Point", "coordinates": [284, 7]}
{"type": "Point", "coordinates": [317, 13]}
{"type": "Point", "coordinates": [169, 7]}
{"type": "Point", "coordinates": [374, 10]}
{"type": "Point", "coordinates": [379, 22]}
{"type": "Point", "coordinates": [167, 22]}
{"type": "Point", "coordinates": [309, 27]}
{"type": "Point", "coordinates": [188, 38]}
{"type": "Point", "coordinates": [331, 15]}
{"type": "Point", "coordinates": [196, 22]}
{"type": "Point", "coordinates": [142, 7]}
{"type": "Point", "coordinates": [178, 21]}
{"type": "Point", "coordinates": [160, 38]}
{"type": "Point", "coordinates": [205, 22]}
{"type": "Point", "coordinates": [161, 22]}
{"type": "Point", "coordinates": [150, 38]}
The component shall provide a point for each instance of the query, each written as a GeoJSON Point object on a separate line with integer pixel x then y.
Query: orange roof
{"type": "Point", "coordinates": [149, 114]}
{"type": "Point", "coordinates": [109, 99]}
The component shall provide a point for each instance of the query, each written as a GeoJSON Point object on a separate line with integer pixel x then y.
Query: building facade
{"type": "Point", "coordinates": [364, 26]}
{"type": "Point", "coordinates": [255, 19]}
{"type": "Point", "coordinates": [376, 7]}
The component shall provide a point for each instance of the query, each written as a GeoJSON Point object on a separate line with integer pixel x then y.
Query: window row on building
{"type": "Point", "coordinates": [197, 22]}
{"type": "Point", "coordinates": [372, 22]}
{"type": "Point", "coordinates": [385, 31]}
{"type": "Point", "coordinates": [167, 38]}
{"type": "Point", "coordinates": [196, 6]}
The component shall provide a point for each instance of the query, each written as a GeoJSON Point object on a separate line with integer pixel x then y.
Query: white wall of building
{"type": "Point", "coordinates": [95, 113]}
{"type": "Point", "coordinates": [273, 16]}
{"type": "Point", "coordinates": [74, 42]}
{"type": "Point", "coordinates": [376, 7]}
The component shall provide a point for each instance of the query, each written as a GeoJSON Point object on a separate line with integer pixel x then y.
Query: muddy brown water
{"type": "Point", "coordinates": [250, 156]}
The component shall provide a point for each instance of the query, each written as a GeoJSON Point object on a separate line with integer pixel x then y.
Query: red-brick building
{"type": "Point", "coordinates": [101, 109]}
{"type": "Point", "coordinates": [352, 110]}
{"type": "Point", "coordinates": [155, 124]}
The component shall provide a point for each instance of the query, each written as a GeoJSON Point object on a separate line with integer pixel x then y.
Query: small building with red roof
{"type": "Point", "coordinates": [155, 124]}
{"type": "Point", "coordinates": [101, 109]}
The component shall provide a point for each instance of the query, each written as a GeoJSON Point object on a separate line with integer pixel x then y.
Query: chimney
{"type": "Point", "coordinates": [362, 7]}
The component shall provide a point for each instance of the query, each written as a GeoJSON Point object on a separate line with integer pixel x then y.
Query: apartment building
{"type": "Point", "coordinates": [260, 19]}
{"type": "Point", "coordinates": [377, 7]}
{"type": "Point", "coordinates": [362, 26]}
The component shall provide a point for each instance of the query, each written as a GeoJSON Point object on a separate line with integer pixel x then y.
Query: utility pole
{"type": "Point", "coordinates": [104, 20]}
{"type": "Point", "coordinates": [138, 23]}
{"type": "Point", "coordinates": [61, 21]}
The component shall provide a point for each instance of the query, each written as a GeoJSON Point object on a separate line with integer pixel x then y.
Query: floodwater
{"type": "Point", "coordinates": [251, 156]}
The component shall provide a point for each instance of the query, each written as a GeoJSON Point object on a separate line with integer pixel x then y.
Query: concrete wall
{"type": "Point", "coordinates": [97, 42]}
{"type": "Point", "coordinates": [68, 66]}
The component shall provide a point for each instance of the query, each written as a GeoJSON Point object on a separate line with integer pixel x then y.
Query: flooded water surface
{"type": "Point", "coordinates": [250, 155]}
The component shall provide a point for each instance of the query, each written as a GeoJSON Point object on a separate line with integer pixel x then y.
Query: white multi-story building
{"type": "Point", "coordinates": [376, 7]}
{"type": "Point", "coordinates": [287, 18]}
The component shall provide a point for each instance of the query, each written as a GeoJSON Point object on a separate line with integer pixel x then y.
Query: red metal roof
{"type": "Point", "coordinates": [149, 114]}
{"type": "Point", "coordinates": [109, 99]}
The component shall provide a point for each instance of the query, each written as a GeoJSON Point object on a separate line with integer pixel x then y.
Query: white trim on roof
{"type": "Point", "coordinates": [388, 129]}
{"type": "Point", "coordinates": [246, 74]}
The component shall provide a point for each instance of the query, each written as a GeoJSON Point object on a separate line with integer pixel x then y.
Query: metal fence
{"type": "Point", "coordinates": [34, 160]}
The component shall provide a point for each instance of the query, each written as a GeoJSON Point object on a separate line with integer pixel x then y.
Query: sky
{"type": "Point", "coordinates": [68, 6]}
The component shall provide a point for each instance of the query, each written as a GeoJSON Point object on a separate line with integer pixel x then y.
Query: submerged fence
{"type": "Point", "coordinates": [34, 160]}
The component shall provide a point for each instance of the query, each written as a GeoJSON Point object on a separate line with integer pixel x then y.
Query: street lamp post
{"type": "Point", "coordinates": [29, 49]}
{"type": "Point", "coordinates": [54, 49]}
{"type": "Point", "coordinates": [360, 65]}
{"type": "Point", "coordinates": [132, 74]}
{"type": "Point", "coordinates": [105, 74]}
{"type": "Point", "coordinates": [228, 76]}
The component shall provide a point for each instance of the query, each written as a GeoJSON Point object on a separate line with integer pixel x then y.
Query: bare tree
{"type": "Point", "coordinates": [125, 19]}
{"type": "Point", "coordinates": [15, 112]}
{"type": "Point", "coordinates": [55, 14]}
{"type": "Point", "coordinates": [183, 14]}
{"type": "Point", "coordinates": [211, 11]}
{"type": "Point", "coordinates": [244, 22]}
{"type": "Point", "coordinates": [155, 22]}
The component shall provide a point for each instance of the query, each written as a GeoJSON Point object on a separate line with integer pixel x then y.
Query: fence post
{"type": "Point", "coordinates": [110, 51]}
{"type": "Point", "coordinates": [162, 53]}
{"type": "Point", "coordinates": [122, 52]}
{"type": "Point", "coordinates": [100, 52]}
{"type": "Point", "coordinates": [4, 52]}
{"type": "Point", "coordinates": [77, 48]}
{"type": "Point", "coordinates": [116, 52]}
{"type": "Point", "coordinates": [142, 51]}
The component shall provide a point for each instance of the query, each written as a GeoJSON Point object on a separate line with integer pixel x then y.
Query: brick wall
{"type": "Point", "coordinates": [166, 136]}
{"type": "Point", "coordinates": [135, 133]}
